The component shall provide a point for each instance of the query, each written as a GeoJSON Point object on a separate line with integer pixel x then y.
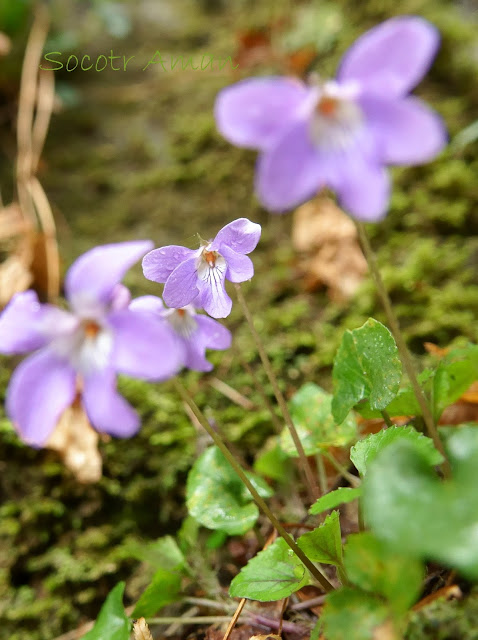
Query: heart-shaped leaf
{"type": "Point", "coordinates": [218, 499]}
{"type": "Point", "coordinates": [366, 366]}
{"type": "Point", "coordinates": [311, 412]}
{"type": "Point", "coordinates": [406, 504]}
{"type": "Point", "coordinates": [272, 574]}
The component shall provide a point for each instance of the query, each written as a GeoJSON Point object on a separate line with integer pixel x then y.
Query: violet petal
{"type": "Point", "coordinates": [160, 263]}
{"type": "Point", "coordinates": [290, 172]}
{"type": "Point", "coordinates": [144, 346]}
{"type": "Point", "coordinates": [390, 59]}
{"type": "Point", "coordinates": [181, 286]}
{"type": "Point", "coordinates": [407, 130]}
{"type": "Point", "coordinates": [252, 113]}
{"type": "Point", "coordinates": [40, 389]}
{"type": "Point", "coordinates": [107, 410]}
{"type": "Point", "coordinates": [91, 280]}
{"type": "Point", "coordinates": [241, 235]}
{"type": "Point", "coordinates": [239, 266]}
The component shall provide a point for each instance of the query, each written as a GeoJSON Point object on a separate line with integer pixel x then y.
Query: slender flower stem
{"type": "Point", "coordinates": [310, 478]}
{"type": "Point", "coordinates": [321, 579]}
{"type": "Point", "coordinates": [386, 417]}
{"type": "Point", "coordinates": [402, 347]}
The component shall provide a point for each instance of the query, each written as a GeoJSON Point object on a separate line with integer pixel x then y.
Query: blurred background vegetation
{"type": "Point", "coordinates": [135, 154]}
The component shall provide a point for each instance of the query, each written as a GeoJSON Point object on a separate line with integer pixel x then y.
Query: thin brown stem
{"type": "Point", "coordinates": [402, 347]}
{"type": "Point", "coordinates": [314, 571]}
{"type": "Point", "coordinates": [386, 417]}
{"type": "Point", "coordinates": [309, 475]}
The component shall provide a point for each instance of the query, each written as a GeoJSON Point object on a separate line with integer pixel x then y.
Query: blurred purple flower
{"type": "Point", "coordinates": [198, 276]}
{"type": "Point", "coordinates": [194, 332]}
{"type": "Point", "coordinates": [81, 351]}
{"type": "Point", "coordinates": [340, 133]}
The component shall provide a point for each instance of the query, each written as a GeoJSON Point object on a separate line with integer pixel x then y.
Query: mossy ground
{"type": "Point", "coordinates": [138, 156]}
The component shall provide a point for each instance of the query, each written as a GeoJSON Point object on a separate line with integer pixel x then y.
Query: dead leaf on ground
{"type": "Point", "coordinates": [452, 592]}
{"type": "Point", "coordinates": [241, 632]}
{"type": "Point", "coordinates": [77, 443]}
{"type": "Point", "coordinates": [141, 630]}
{"type": "Point", "coordinates": [5, 44]}
{"type": "Point", "coordinates": [331, 255]}
{"type": "Point", "coordinates": [385, 631]}
{"type": "Point", "coordinates": [15, 270]}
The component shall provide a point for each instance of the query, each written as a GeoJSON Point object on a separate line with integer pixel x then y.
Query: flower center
{"type": "Point", "coordinates": [210, 257]}
{"type": "Point", "coordinates": [336, 119]}
{"type": "Point", "coordinates": [88, 347]}
{"type": "Point", "coordinates": [91, 329]}
{"type": "Point", "coordinates": [182, 321]}
{"type": "Point", "coordinates": [327, 106]}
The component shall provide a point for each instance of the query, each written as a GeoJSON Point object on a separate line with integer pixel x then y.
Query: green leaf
{"type": "Point", "coordinates": [350, 614]}
{"type": "Point", "coordinates": [406, 504]}
{"type": "Point", "coordinates": [324, 544]}
{"type": "Point", "coordinates": [367, 449]}
{"type": "Point", "coordinates": [163, 589]}
{"type": "Point", "coordinates": [217, 498]}
{"type": "Point", "coordinates": [366, 366]}
{"type": "Point", "coordinates": [454, 375]}
{"type": "Point", "coordinates": [374, 567]}
{"type": "Point", "coordinates": [311, 412]}
{"type": "Point", "coordinates": [112, 622]}
{"type": "Point", "coordinates": [163, 553]}
{"type": "Point", "coordinates": [334, 498]}
{"type": "Point", "coordinates": [273, 463]}
{"type": "Point", "coordinates": [272, 574]}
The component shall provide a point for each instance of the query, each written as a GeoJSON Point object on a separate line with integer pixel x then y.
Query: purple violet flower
{"type": "Point", "coordinates": [80, 352]}
{"type": "Point", "coordinates": [198, 276]}
{"type": "Point", "coordinates": [340, 133]}
{"type": "Point", "coordinates": [194, 332]}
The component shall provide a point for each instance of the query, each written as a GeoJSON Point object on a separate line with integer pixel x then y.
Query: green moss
{"type": "Point", "coordinates": [446, 620]}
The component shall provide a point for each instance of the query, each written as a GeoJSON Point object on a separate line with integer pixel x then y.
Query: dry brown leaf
{"type": "Point", "coordinates": [15, 271]}
{"type": "Point", "coordinates": [385, 631]}
{"type": "Point", "coordinates": [77, 443]}
{"type": "Point", "coordinates": [12, 222]}
{"type": "Point", "coordinates": [5, 44]}
{"type": "Point", "coordinates": [254, 48]}
{"type": "Point", "coordinates": [141, 630]}
{"type": "Point", "coordinates": [332, 257]}
{"type": "Point", "coordinates": [267, 636]}
{"type": "Point", "coordinates": [453, 592]}
{"type": "Point", "coordinates": [435, 350]}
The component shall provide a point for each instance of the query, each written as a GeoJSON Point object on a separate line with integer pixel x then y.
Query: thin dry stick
{"type": "Point", "coordinates": [402, 347]}
{"type": "Point", "coordinates": [36, 91]}
{"type": "Point", "coordinates": [314, 571]}
{"type": "Point", "coordinates": [310, 479]}
{"type": "Point", "coordinates": [281, 620]}
{"type": "Point", "coordinates": [234, 619]}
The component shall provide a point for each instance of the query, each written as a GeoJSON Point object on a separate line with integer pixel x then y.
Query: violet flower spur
{"type": "Point", "coordinates": [198, 276]}
{"type": "Point", "coordinates": [80, 352]}
{"type": "Point", "coordinates": [340, 133]}
{"type": "Point", "coordinates": [194, 332]}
